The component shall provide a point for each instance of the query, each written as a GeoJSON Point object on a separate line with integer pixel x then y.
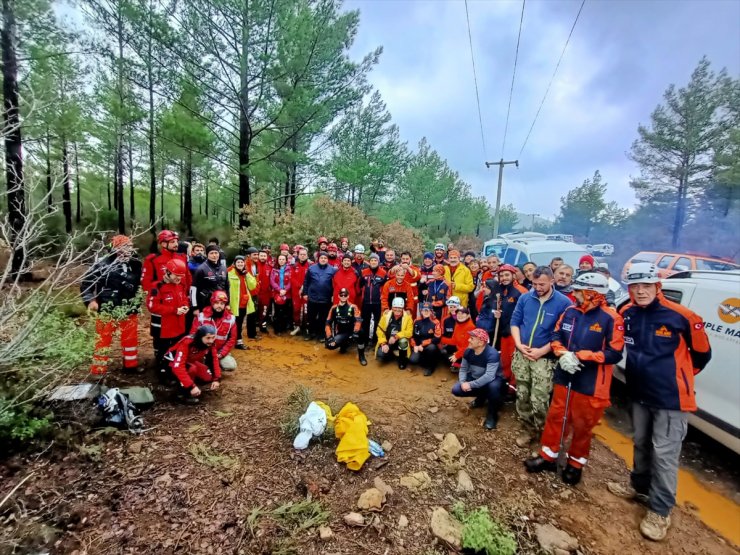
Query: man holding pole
{"type": "Point", "coordinates": [588, 340]}
{"type": "Point", "coordinates": [532, 324]}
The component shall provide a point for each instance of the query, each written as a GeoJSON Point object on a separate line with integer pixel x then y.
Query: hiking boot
{"type": "Point", "coordinates": [477, 403]}
{"type": "Point", "coordinates": [402, 366]}
{"type": "Point", "coordinates": [241, 346]}
{"type": "Point", "coordinates": [626, 491]}
{"type": "Point", "coordinates": [571, 475]}
{"type": "Point", "coordinates": [309, 337]}
{"type": "Point", "coordinates": [296, 330]}
{"type": "Point", "coordinates": [491, 421]}
{"type": "Point", "coordinates": [361, 357]}
{"type": "Point", "coordinates": [524, 439]}
{"type": "Point", "coordinates": [655, 527]}
{"type": "Point", "coordinates": [540, 464]}
{"type": "Point", "coordinates": [428, 371]}
{"type": "Point", "coordinates": [263, 327]}
{"type": "Point", "coordinates": [188, 400]}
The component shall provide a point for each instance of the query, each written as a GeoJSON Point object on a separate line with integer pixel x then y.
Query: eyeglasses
{"type": "Point", "coordinates": [344, 294]}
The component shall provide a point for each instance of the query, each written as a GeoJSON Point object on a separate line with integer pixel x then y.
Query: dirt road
{"type": "Point", "coordinates": [192, 484]}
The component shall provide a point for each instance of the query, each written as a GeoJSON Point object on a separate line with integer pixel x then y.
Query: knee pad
{"type": "Point", "coordinates": [403, 344]}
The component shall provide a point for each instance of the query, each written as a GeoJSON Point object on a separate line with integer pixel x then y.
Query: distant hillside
{"type": "Point", "coordinates": [525, 221]}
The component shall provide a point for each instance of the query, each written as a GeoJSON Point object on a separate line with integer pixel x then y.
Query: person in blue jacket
{"type": "Point", "coordinates": [317, 291]}
{"type": "Point", "coordinates": [532, 326]}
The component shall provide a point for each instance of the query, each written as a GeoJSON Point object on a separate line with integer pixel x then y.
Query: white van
{"type": "Point", "coordinates": [715, 296]}
{"type": "Point", "coordinates": [498, 245]}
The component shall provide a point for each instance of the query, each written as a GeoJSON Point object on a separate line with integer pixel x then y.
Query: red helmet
{"type": "Point", "coordinates": [176, 266]}
{"type": "Point", "coordinates": [322, 239]}
{"type": "Point", "coordinates": [165, 236]}
{"type": "Point", "coordinates": [507, 268]}
{"type": "Point", "coordinates": [285, 247]}
{"type": "Point", "coordinates": [219, 296]}
{"type": "Point", "coordinates": [332, 247]}
{"type": "Point", "coordinates": [344, 240]}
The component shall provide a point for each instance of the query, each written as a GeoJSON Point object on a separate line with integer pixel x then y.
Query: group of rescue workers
{"type": "Point", "coordinates": [549, 334]}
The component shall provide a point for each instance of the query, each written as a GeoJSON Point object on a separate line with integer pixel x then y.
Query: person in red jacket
{"type": "Point", "coordinates": [265, 293]}
{"type": "Point", "coordinates": [220, 317]}
{"type": "Point", "coordinates": [460, 337]}
{"type": "Point", "coordinates": [509, 295]}
{"type": "Point", "coordinates": [297, 276]}
{"type": "Point", "coordinates": [153, 268]}
{"type": "Point", "coordinates": [334, 258]}
{"type": "Point", "coordinates": [169, 304]}
{"type": "Point", "coordinates": [346, 278]}
{"type": "Point", "coordinates": [397, 287]}
{"type": "Point", "coordinates": [323, 244]}
{"type": "Point", "coordinates": [187, 363]}
{"type": "Point", "coordinates": [588, 340]}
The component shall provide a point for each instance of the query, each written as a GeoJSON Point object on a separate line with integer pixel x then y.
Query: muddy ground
{"type": "Point", "coordinates": [198, 479]}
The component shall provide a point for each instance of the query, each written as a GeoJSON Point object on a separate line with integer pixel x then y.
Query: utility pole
{"type": "Point", "coordinates": [500, 165]}
{"type": "Point", "coordinates": [533, 217]}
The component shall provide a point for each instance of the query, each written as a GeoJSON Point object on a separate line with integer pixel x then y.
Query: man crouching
{"type": "Point", "coordinates": [187, 362]}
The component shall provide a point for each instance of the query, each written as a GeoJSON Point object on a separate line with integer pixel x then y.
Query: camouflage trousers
{"type": "Point", "coordinates": [533, 388]}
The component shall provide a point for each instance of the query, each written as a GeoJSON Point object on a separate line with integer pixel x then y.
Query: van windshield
{"type": "Point", "coordinates": [571, 258]}
{"type": "Point", "coordinates": [715, 265]}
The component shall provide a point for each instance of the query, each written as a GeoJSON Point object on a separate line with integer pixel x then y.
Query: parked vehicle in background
{"type": "Point", "coordinates": [669, 263]}
{"type": "Point", "coordinates": [497, 245]}
{"type": "Point", "coordinates": [715, 296]}
{"type": "Point", "coordinates": [602, 249]}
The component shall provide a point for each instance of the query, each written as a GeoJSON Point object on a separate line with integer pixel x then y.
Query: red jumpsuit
{"type": "Point", "coordinates": [225, 329]}
{"type": "Point", "coordinates": [265, 293]}
{"type": "Point", "coordinates": [153, 269]}
{"type": "Point", "coordinates": [187, 363]}
{"type": "Point", "coordinates": [296, 282]}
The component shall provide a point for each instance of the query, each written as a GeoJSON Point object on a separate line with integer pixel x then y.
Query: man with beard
{"type": "Point", "coordinates": [265, 293]}
{"type": "Point", "coordinates": [209, 277]}
{"type": "Point", "coordinates": [564, 280]}
{"type": "Point", "coordinates": [334, 259]}
{"type": "Point", "coordinates": [425, 340]}
{"type": "Point", "coordinates": [346, 278]}
{"type": "Point", "coordinates": [197, 257]}
{"type": "Point", "coordinates": [297, 277]}
{"type": "Point", "coordinates": [440, 254]}
{"type": "Point", "coordinates": [187, 363]}
{"type": "Point", "coordinates": [426, 270]}
{"type": "Point", "coordinates": [219, 315]}
{"type": "Point", "coordinates": [359, 264]}
{"type": "Point", "coordinates": [509, 295]}
{"type": "Point", "coordinates": [153, 268]}
{"type": "Point", "coordinates": [390, 260]}
{"type": "Point", "coordinates": [394, 335]}
{"type": "Point", "coordinates": [459, 277]}
{"type": "Point", "coordinates": [397, 287]}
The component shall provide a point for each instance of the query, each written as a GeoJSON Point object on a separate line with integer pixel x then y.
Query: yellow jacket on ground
{"type": "Point", "coordinates": [407, 329]}
{"type": "Point", "coordinates": [462, 281]}
{"type": "Point", "coordinates": [350, 428]}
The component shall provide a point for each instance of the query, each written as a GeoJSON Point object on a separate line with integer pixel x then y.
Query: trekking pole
{"type": "Point", "coordinates": [561, 454]}
{"type": "Point", "coordinates": [498, 320]}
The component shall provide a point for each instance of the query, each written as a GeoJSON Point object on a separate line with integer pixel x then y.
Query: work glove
{"type": "Point", "coordinates": [569, 362]}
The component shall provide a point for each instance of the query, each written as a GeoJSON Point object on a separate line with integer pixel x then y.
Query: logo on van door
{"type": "Point", "coordinates": [729, 310]}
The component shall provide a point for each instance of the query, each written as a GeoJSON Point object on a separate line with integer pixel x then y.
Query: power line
{"type": "Point", "coordinates": [553, 77]}
{"type": "Point", "coordinates": [475, 79]}
{"type": "Point", "coordinates": [513, 76]}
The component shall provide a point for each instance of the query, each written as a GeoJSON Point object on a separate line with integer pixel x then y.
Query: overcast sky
{"type": "Point", "coordinates": [621, 58]}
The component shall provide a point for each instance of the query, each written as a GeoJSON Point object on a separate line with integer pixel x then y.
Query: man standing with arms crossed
{"type": "Point", "coordinates": [666, 347]}
{"type": "Point", "coordinates": [532, 326]}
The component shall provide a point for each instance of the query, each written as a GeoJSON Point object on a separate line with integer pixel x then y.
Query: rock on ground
{"type": "Point", "coordinates": [371, 500]}
{"type": "Point", "coordinates": [325, 533]}
{"type": "Point", "coordinates": [551, 538]}
{"type": "Point", "coordinates": [464, 483]}
{"type": "Point", "coordinates": [450, 447]}
{"type": "Point", "coordinates": [354, 519]}
{"type": "Point", "coordinates": [403, 522]}
{"type": "Point", "coordinates": [382, 486]}
{"type": "Point", "coordinates": [447, 528]}
{"type": "Point", "coordinates": [417, 480]}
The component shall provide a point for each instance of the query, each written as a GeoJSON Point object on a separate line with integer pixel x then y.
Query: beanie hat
{"type": "Point", "coordinates": [374, 256]}
{"type": "Point", "coordinates": [323, 253]}
{"type": "Point", "coordinates": [438, 268]}
{"type": "Point", "coordinates": [491, 284]}
{"type": "Point", "coordinates": [429, 255]}
{"type": "Point", "coordinates": [347, 255]}
{"type": "Point", "coordinates": [211, 248]}
{"type": "Point", "coordinates": [469, 253]}
{"type": "Point", "coordinates": [252, 250]}
{"type": "Point", "coordinates": [205, 329]}
{"type": "Point", "coordinates": [586, 258]}
{"type": "Point", "coordinates": [238, 257]}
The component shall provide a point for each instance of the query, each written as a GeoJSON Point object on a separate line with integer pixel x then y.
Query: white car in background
{"type": "Point", "coordinates": [603, 249]}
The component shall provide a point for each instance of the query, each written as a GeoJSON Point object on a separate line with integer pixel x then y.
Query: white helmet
{"type": "Point", "coordinates": [453, 301]}
{"type": "Point", "coordinates": [360, 249]}
{"type": "Point", "coordinates": [398, 302]}
{"type": "Point", "coordinates": [642, 272]}
{"type": "Point", "coordinates": [591, 281]}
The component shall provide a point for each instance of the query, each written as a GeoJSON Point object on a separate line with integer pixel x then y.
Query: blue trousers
{"type": "Point", "coordinates": [493, 392]}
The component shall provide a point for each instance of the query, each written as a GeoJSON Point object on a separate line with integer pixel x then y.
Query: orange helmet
{"type": "Point", "coordinates": [119, 241]}
{"type": "Point", "coordinates": [322, 239]}
{"type": "Point", "coordinates": [176, 266]}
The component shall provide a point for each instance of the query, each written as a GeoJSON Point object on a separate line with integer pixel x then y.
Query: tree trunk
{"type": "Point", "coordinates": [187, 218]}
{"type": "Point", "coordinates": [17, 211]}
{"type": "Point", "coordinates": [245, 129]}
{"type": "Point", "coordinates": [132, 201]}
{"type": "Point", "coordinates": [678, 217]}
{"type": "Point", "coordinates": [207, 214]}
{"type": "Point", "coordinates": [78, 215]}
{"type": "Point", "coordinates": [286, 191]}
{"type": "Point", "coordinates": [293, 188]}
{"type": "Point", "coordinates": [152, 168]}
{"type": "Point", "coordinates": [119, 187]}
{"type": "Point", "coordinates": [49, 197]}
{"type": "Point", "coordinates": [119, 129]}
{"type": "Point", "coordinates": [161, 195]}
{"type": "Point", "coordinates": [66, 190]}
{"type": "Point", "coordinates": [109, 177]}
{"type": "Point", "coordinates": [182, 178]}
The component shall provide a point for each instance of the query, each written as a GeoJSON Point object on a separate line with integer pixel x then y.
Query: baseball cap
{"type": "Point", "coordinates": [479, 333]}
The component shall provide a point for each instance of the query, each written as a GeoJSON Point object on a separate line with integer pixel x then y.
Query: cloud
{"type": "Point", "coordinates": [618, 63]}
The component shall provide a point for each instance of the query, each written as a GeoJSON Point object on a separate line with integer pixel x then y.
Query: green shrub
{"type": "Point", "coordinates": [482, 534]}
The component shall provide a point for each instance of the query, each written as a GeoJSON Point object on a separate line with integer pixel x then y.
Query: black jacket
{"type": "Point", "coordinates": [209, 277]}
{"type": "Point", "coordinates": [111, 281]}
